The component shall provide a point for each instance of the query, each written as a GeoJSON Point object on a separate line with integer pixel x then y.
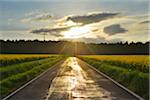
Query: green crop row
{"type": "Point", "coordinates": [26, 72]}
{"type": "Point", "coordinates": [130, 62]}
{"type": "Point", "coordinates": [134, 80]}
{"type": "Point", "coordinates": [129, 66]}
{"type": "Point", "coordinates": [20, 68]}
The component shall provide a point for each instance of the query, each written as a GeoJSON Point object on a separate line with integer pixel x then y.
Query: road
{"type": "Point", "coordinates": [72, 80]}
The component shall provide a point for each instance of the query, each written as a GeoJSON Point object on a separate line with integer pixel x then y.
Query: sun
{"type": "Point", "coordinates": [76, 32]}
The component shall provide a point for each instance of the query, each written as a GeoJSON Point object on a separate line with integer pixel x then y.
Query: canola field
{"type": "Point", "coordinates": [8, 59]}
{"type": "Point", "coordinates": [17, 69]}
{"type": "Point", "coordinates": [132, 71]}
{"type": "Point", "coordinates": [135, 59]}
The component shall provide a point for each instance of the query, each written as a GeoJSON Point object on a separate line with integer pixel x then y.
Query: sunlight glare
{"type": "Point", "coordinates": [76, 32]}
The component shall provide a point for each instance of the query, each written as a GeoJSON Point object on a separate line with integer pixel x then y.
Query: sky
{"type": "Point", "coordinates": [93, 21]}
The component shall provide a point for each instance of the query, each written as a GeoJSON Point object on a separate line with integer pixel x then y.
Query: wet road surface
{"type": "Point", "coordinates": [72, 80]}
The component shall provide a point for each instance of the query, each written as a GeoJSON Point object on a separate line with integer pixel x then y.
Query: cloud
{"type": "Point", "coordinates": [114, 29]}
{"type": "Point", "coordinates": [53, 31]}
{"type": "Point", "coordinates": [46, 16]}
{"type": "Point", "coordinates": [91, 18]}
{"type": "Point", "coordinates": [32, 13]}
{"type": "Point", "coordinates": [145, 22]}
{"type": "Point", "coordinates": [37, 17]}
{"type": "Point", "coordinates": [106, 27]}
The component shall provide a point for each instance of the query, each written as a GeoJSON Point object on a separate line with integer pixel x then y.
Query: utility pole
{"type": "Point", "coordinates": [44, 36]}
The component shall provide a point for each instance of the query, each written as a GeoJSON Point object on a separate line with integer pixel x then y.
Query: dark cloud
{"type": "Point", "coordinates": [145, 22]}
{"type": "Point", "coordinates": [91, 18]}
{"type": "Point", "coordinates": [114, 29]}
{"type": "Point", "coordinates": [53, 31]}
{"type": "Point", "coordinates": [46, 30]}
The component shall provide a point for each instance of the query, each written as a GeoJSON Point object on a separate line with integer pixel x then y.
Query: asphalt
{"type": "Point", "coordinates": [72, 80]}
{"type": "Point", "coordinates": [37, 90]}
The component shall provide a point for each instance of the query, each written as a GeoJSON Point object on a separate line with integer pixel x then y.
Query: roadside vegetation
{"type": "Point", "coordinates": [10, 59]}
{"type": "Point", "coordinates": [132, 71]}
{"type": "Point", "coordinates": [15, 75]}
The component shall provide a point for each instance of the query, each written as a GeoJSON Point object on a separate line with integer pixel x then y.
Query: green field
{"type": "Point", "coordinates": [16, 70]}
{"type": "Point", "coordinates": [132, 71]}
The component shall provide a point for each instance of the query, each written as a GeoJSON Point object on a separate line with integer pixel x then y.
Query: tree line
{"type": "Point", "coordinates": [72, 48]}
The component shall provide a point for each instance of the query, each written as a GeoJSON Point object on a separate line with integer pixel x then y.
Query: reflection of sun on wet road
{"type": "Point", "coordinates": [73, 83]}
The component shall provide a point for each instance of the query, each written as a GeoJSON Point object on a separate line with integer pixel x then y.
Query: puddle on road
{"type": "Point", "coordinates": [72, 83]}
